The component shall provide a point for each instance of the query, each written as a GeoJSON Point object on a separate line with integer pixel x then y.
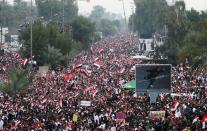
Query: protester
{"type": "Point", "coordinates": [88, 95]}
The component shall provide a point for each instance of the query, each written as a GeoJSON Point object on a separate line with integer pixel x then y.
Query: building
{"type": "Point", "coordinates": [172, 2]}
{"type": "Point", "coordinates": [4, 32]}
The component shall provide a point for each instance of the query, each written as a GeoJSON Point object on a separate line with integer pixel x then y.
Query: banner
{"type": "Point", "coordinates": [120, 115]}
{"type": "Point", "coordinates": [85, 103]}
{"type": "Point", "coordinates": [157, 114]}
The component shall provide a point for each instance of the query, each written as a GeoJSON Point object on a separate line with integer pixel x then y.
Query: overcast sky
{"type": "Point", "coordinates": [115, 6]}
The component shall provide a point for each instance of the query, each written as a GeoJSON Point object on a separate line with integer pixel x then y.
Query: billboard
{"type": "Point", "coordinates": [153, 78]}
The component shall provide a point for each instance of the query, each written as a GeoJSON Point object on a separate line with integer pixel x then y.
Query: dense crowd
{"type": "Point", "coordinates": [88, 95]}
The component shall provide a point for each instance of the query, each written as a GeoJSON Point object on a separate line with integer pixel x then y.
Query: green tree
{"type": "Point", "coordinates": [16, 14]}
{"type": "Point", "coordinates": [53, 56]}
{"type": "Point", "coordinates": [8, 38]}
{"type": "Point", "coordinates": [177, 26]}
{"type": "Point", "coordinates": [106, 27]}
{"type": "Point", "coordinates": [43, 36]}
{"type": "Point", "coordinates": [106, 22]}
{"type": "Point", "coordinates": [40, 42]}
{"type": "Point", "coordinates": [150, 16]}
{"type": "Point", "coordinates": [18, 82]}
{"type": "Point", "coordinates": [97, 13]}
{"type": "Point", "coordinates": [193, 15]}
{"type": "Point", "coordinates": [194, 48]}
{"type": "Point", "coordinates": [50, 8]}
{"type": "Point", "coordinates": [83, 30]}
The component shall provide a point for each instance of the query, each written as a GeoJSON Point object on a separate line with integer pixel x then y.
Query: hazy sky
{"type": "Point", "coordinates": [115, 6]}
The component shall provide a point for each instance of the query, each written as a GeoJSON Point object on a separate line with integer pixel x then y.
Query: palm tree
{"type": "Point", "coordinates": [18, 82]}
{"type": "Point", "coordinates": [53, 55]}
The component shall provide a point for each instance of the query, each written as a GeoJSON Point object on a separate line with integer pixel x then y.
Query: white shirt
{"type": "Point", "coordinates": [96, 118]}
{"type": "Point", "coordinates": [113, 128]}
{"type": "Point", "coordinates": [103, 126]}
{"type": "Point", "coordinates": [1, 124]}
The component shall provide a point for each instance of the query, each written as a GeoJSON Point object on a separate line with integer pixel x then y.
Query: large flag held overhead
{"type": "Point", "coordinates": [175, 105]}
{"type": "Point", "coordinates": [68, 77]}
{"type": "Point", "coordinates": [122, 70]}
{"type": "Point", "coordinates": [94, 92]}
{"type": "Point", "coordinates": [203, 121]}
{"type": "Point", "coordinates": [196, 118]}
{"type": "Point", "coordinates": [99, 64]}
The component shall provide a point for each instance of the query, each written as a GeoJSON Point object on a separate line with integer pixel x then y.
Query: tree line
{"type": "Point", "coordinates": [185, 30]}
{"type": "Point", "coordinates": [58, 31]}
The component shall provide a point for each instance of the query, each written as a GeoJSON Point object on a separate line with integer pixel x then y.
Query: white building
{"type": "Point", "coordinates": [4, 32]}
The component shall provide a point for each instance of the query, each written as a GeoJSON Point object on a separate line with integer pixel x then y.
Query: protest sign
{"type": "Point", "coordinates": [85, 103]}
{"type": "Point", "coordinates": [157, 114]}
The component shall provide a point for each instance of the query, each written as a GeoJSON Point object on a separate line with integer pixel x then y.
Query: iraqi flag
{"type": "Point", "coordinates": [87, 88]}
{"type": "Point", "coordinates": [196, 118]}
{"type": "Point", "coordinates": [68, 77]}
{"type": "Point", "coordinates": [44, 100]}
{"type": "Point", "coordinates": [99, 64]}
{"type": "Point", "coordinates": [94, 92]}
{"type": "Point", "coordinates": [100, 50]}
{"type": "Point", "coordinates": [175, 105]}
{"type": "Point", "coordinates": [105, 79]}
{"type": "Point", "coordinates": [86, 72]}
{"type": "Point", "coordinates": [25, 61]}
{"type": "Point", "coordinates": [76, 94]}
{"type": "Point", "coordinates": [203, 121]}
{"type": "Point", "coordinates": [95, 59]}
{"type": "Point", "coordinates": [77, 66]}
{"type": "Point", "coordinates": [122, 70]}
{"type": "Point", "coordinates": [162, 96]}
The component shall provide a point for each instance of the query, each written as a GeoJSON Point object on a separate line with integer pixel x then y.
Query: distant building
{"type": "Point", "coordinates": [4, 31]}
{"type": "Point", "coordinates": [172, 2]}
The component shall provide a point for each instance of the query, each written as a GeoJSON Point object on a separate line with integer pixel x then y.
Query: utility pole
{"type": "Point", "coordinates": [124, 13]}
{"type": "Point", "coordinates": [63, 18]}
{"type": "Point", "coordinates": [2, 21]}
{"type": "Point", "coordinates": [31, 22]}
{"type": "Point", "coordinates": [133, 15]}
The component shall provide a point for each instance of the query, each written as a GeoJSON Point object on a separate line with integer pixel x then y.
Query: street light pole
{"type": "Point", "coordinates": [133, 14]}
{"type": "Point", "coordinates": [31, 22]}
{"type": "Point", "coordinates": [124, 13]}
{"type": "Point", "coordinates": [2, 9]}
{"type": "Point", "coordinates": [63, 24]}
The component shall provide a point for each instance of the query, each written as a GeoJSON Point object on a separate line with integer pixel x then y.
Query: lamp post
{"type": "Point", "coordinates": [133, 15]}
{"type": "Point", "coordinates": [124, 13]}
{"type": "Point", "coordinates": [63, 18]}
{"type": "Point", "coordinates": [2, 16]}
{"type": "Point", "coordinates": [31, 22]}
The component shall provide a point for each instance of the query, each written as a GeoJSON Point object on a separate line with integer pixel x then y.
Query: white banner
{"type": "Point", "coordinates": [85, 103]}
